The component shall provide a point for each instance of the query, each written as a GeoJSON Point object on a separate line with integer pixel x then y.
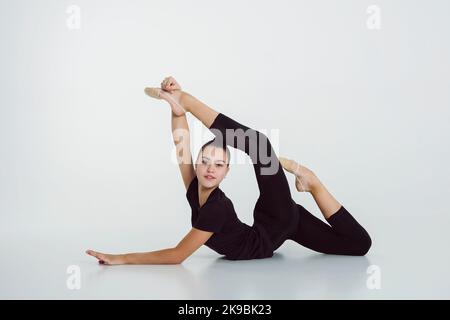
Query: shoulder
{"type": "Point", "coordinates": [192, 188]}
{"type": "Point", "coordinates": [193, 183]}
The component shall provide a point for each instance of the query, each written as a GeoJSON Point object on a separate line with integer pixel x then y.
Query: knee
{"type": "Point", "coordinates": [364, 244]}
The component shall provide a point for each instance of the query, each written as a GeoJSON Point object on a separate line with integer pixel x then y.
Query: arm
{"type": "Point", "coordinates": [187, 246]}
{"type": "Point", "coordinates": [181, 139]}
{"type": "Point", "coordinates": [165, 256]}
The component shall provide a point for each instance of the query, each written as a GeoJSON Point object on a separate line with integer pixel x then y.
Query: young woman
{"type": "Point", "coordinates": [277, 217]}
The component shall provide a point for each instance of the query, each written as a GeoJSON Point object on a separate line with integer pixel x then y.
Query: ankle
{"type": "Point", "coordinates": [316, 185]}
{"type": "Point", "coordinates": [288, 164]}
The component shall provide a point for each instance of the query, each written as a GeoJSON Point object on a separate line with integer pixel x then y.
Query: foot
{"type": "Point", "coordinates": [173, 98]}
{"type": "Point", "coordinates": [305, 179]}
{"type": "Point", "coordinates": [171, 92]}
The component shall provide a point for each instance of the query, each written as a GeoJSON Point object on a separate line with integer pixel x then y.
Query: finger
{"type": "Point", "coordinates": [170, 81]}
{"type": "Point", "coordinates": [163, 83]}
{"type": "Point", "coordinates": [100, 256]}
{"type": "Point", "coordinates": [176, 84]}
{"type": "Point", "coordinates": [166, 82]}
{"type": "Point", "coordinates": [95, 254]}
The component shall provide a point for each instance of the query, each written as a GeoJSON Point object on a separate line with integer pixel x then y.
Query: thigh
{"type": "Point", "coordinates": [278, 223]}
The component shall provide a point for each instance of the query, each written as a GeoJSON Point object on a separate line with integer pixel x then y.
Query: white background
{"type": "Point", "coordinates": [86, 155]}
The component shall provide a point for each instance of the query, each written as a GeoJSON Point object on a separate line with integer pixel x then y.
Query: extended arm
{"type": "Point", "coordinates": [187, 246]}
{"type": "Point", "coordinates": [181, 139]}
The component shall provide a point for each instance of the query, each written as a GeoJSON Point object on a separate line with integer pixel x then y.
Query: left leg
{"type": "Point", "coordinates": [198, 109]}
{"type": "Point", "coordinates": [272, 182]}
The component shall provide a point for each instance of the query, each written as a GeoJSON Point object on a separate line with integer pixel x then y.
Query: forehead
{"type": "Point", "coordinates": [214, 152]}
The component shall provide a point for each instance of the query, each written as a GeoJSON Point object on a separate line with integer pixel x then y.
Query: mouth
{"type": "Point", "coordinates": [209, 177]}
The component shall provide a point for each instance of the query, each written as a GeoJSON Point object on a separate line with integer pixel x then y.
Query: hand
{"type": "Point", "coordinates": [108, 259]}
{"type": "Point", "coordinates": [170, 84]}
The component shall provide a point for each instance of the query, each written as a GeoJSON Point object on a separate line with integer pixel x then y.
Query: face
{"type": "Point", "coordinates": [211, 166]}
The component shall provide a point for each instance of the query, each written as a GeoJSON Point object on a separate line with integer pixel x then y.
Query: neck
{"type": "Point", "coordinates": [203, 193]}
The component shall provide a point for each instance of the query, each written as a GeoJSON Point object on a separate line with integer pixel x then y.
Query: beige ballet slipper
{"type": "Point", "coordinates": [156, 93]}
{"type": "Point", "coordinates": [294, 168]}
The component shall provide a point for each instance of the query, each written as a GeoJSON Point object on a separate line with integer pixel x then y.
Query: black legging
{"type": "Point", "coordinates": [275, 209]}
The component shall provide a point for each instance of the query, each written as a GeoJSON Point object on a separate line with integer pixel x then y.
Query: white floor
{"type": "Point", "coordinates": [34, 265]}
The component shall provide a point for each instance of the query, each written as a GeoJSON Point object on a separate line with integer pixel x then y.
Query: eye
{"type": "Point", "coordinates": [203, 161]}
{"type": "Point", "coordinates": [220, 165]}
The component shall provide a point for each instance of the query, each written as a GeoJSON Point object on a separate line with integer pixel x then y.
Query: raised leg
{"type": "Point", "coordinates": [198, 109]}
{"type": "Point", "coordinates": [273, 186]}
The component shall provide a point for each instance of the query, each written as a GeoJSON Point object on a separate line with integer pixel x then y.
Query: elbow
{"type": "Point", "coordinates": [177, 257]}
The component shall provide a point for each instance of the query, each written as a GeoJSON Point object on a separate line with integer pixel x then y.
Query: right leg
{"type": "Point", "coordinates": [345, 236]}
